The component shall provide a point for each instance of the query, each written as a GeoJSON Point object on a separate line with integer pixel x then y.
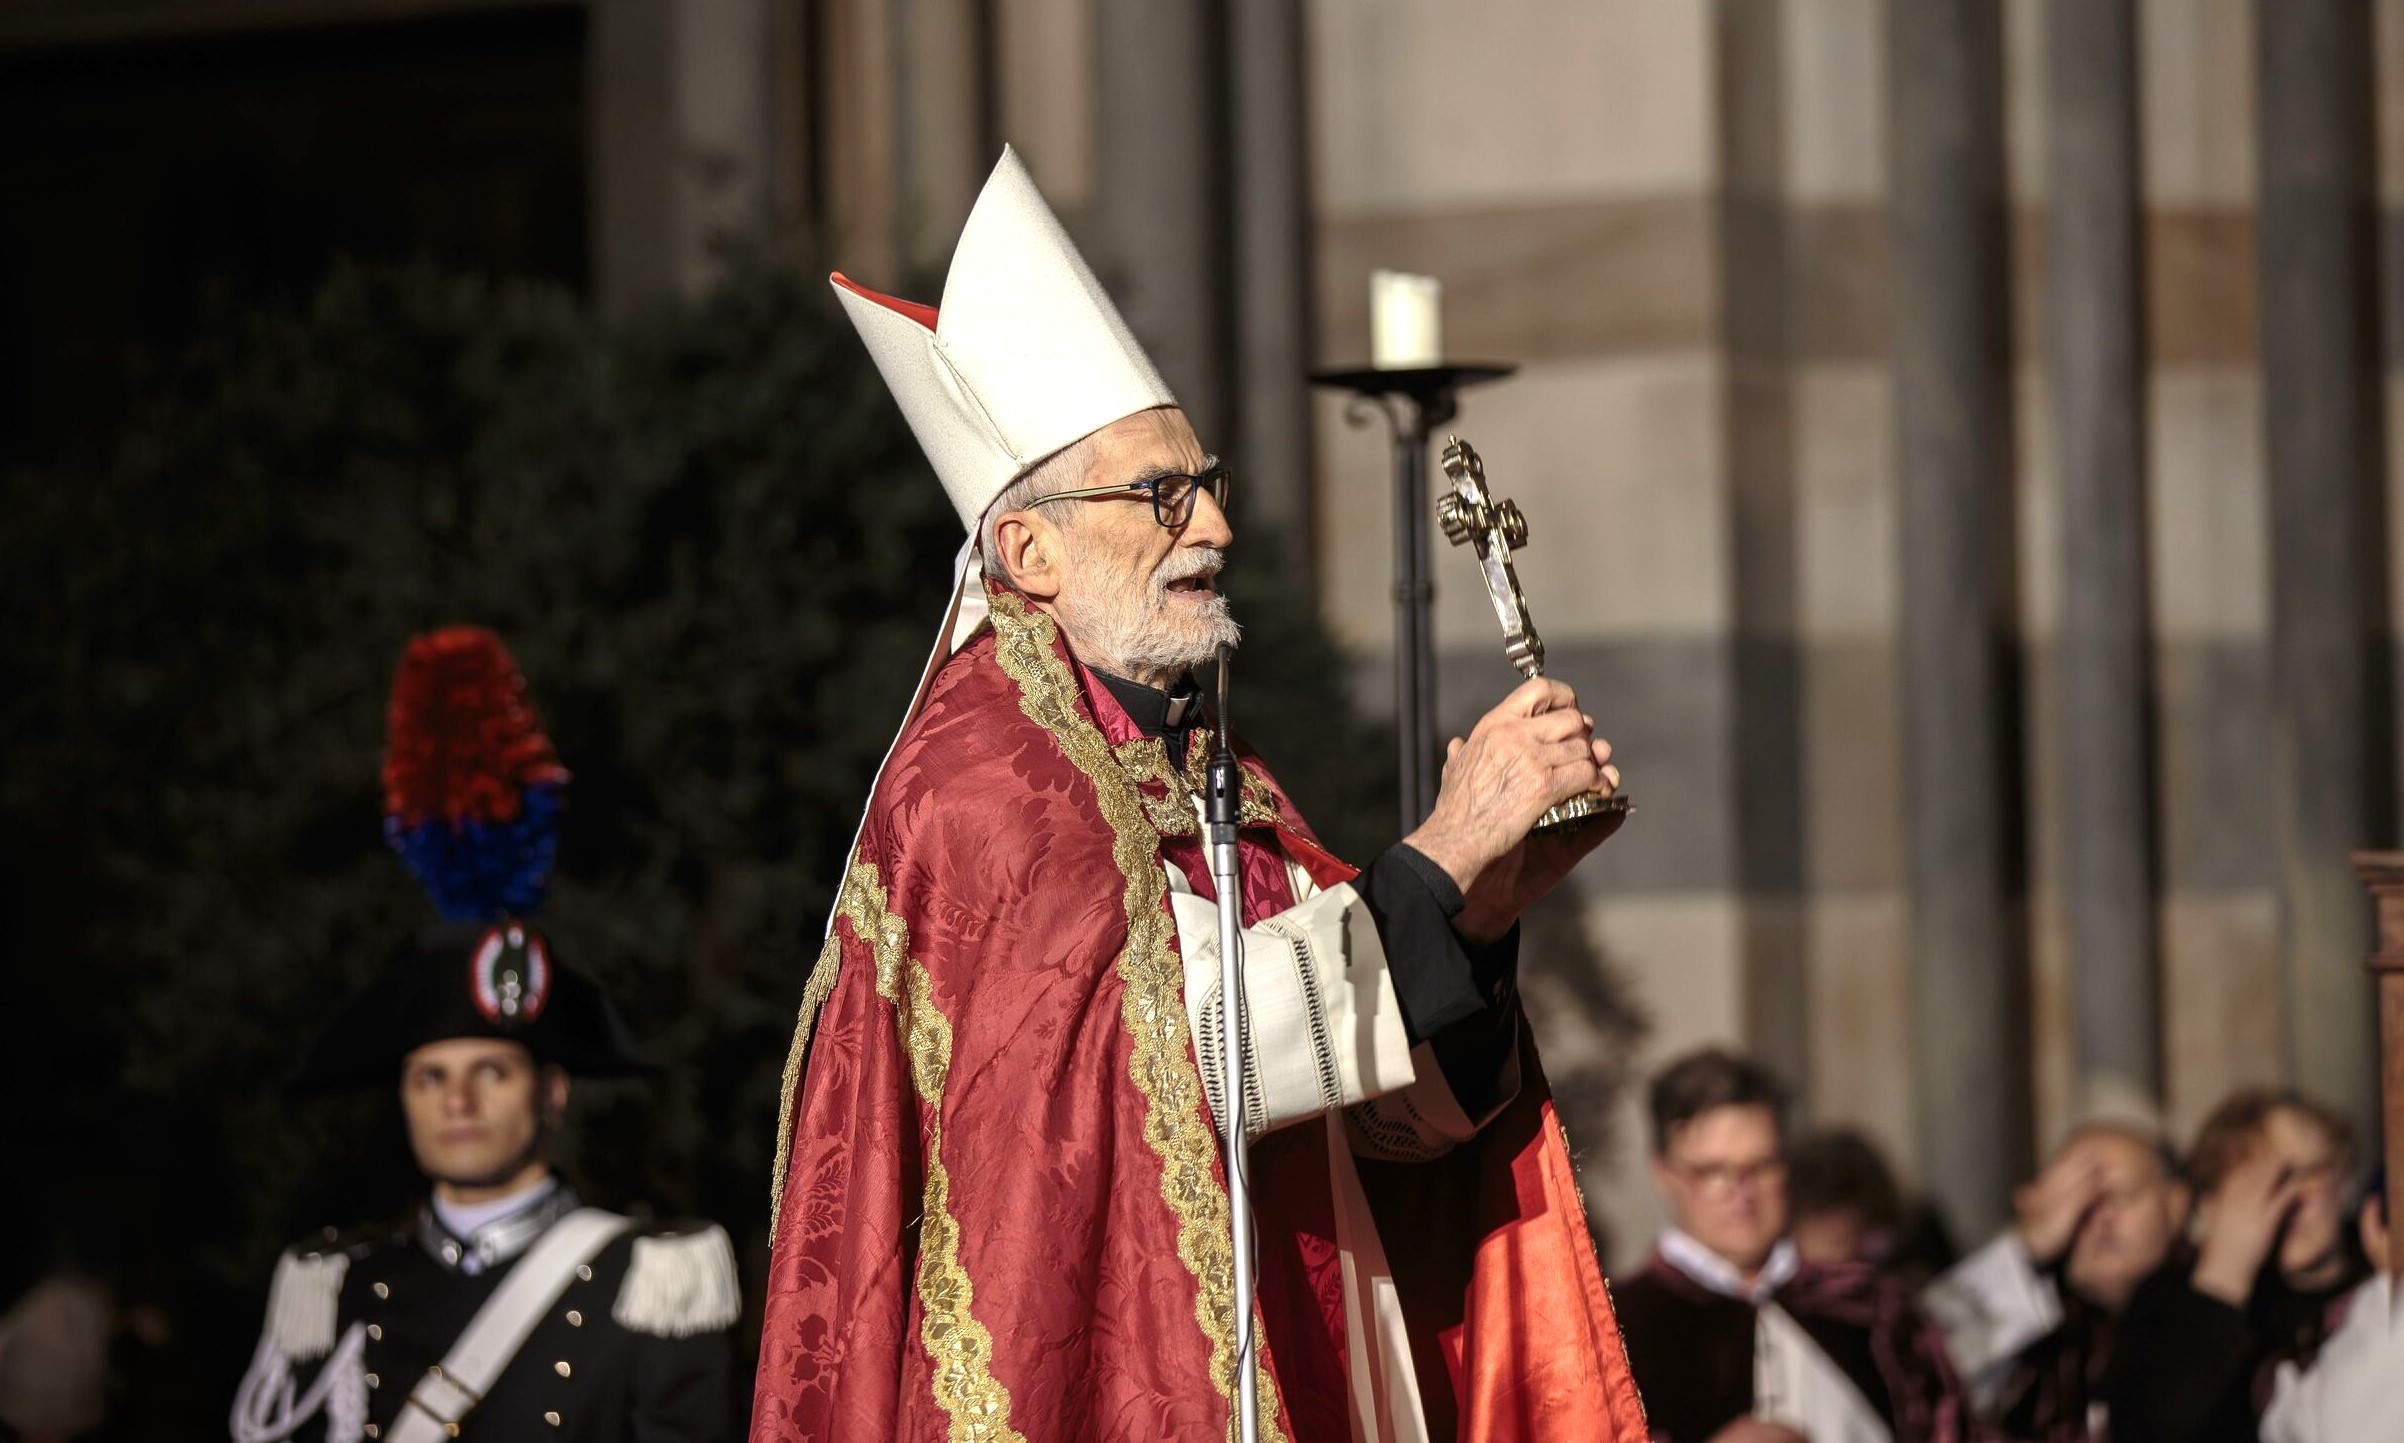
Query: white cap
{"type": "Point", "coordinates": [1026, 355]}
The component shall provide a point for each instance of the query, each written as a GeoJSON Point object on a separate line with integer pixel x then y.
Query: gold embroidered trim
{"type": "Point", "coordinates": [1146, 760]}
{"type": "Point", "coordinates": [1154, 1005]}
{"type": "Point", "coordinates": [813, 996]}
{"type": "Point", "coordinates": [961, 1347]}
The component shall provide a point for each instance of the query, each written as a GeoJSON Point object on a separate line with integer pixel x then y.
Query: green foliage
{"type": "Point", "coordinates": [719, 558]}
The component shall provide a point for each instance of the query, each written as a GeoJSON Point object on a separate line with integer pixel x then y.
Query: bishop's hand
{"type": "Point", "coordinates": [1525, 757]}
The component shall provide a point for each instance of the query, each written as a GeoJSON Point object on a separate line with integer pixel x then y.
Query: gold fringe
{"type": "Point", "coordinates": [1146, 759]}
{"type": "Point", "coordinates": [1154, 1005]}
{"type": "Point", "coordinates": [813, 996]}
{"type": "Point", "coordinates": [962, 1348]}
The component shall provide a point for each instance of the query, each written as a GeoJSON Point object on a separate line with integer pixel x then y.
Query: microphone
{"type": "Point", "coordinates": [1223, 781]}
{"type": "Point", "coordinates": [1222, 812]}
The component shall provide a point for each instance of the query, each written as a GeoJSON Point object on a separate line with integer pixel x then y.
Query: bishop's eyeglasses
{"type": "Point", "coordinates": [1172, 495]}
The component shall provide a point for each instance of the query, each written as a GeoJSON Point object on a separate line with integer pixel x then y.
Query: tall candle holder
{"type": "Point", "coordinates": [1414, 400]}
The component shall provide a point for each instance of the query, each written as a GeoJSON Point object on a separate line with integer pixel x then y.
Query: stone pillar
{"type": "Point", "coordinates": [683, 139]}
{"type": "Point", "coordinates": [1953, 441]}
{"type": "Point", "coordinates": [1757, 319]}
{"type": "Point", "coordinates": [1269, 188]}
{"type": "Point", "coordinates": [942, 108]}
{"type": "Point", "coordinates": [1159, 217]}
{"type": "Point", "coordinates": [2322, 420]}
{"type": "Point", "coordinates": [858, 200]}
{"type": "Point", "coordinates": [2095, 363]}
{"type": "Point", "coordinates": [633, 254]}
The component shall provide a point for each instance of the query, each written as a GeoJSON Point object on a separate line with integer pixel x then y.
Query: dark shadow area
{"type": "Point", "coordinates": [145, 179]}
{"type": "Point", "coordinates": [1589, 1027]}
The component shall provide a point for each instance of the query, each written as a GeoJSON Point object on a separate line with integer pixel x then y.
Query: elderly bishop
{"type": "Point", "coordinates": [1001, 1210]}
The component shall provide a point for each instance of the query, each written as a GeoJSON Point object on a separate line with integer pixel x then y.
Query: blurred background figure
{"type": "Point", "coordinates": [54, 1359]}
{"type": "Point", "coordinates": [1731, 1334]}
{"type": "Point", "coordinates": [2354, 1388]}
{"type": "Point", "coordinates": [1847, 1206]}
{"type": "Point", "coordinates": [2030, 1318]}
{"type": "Point", "coordinates": [2202, 1344]}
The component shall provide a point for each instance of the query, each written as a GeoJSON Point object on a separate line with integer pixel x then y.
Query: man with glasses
{"type": "Point", "coordinates": [1734, 1338]}
{"type": "Point", "coordinates": [1001, 1208]}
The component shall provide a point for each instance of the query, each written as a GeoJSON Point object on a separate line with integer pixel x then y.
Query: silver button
{"type": "Point", "coordinates": [561, 1368]}
{"type": "Point", "coordinates": [375, 1332]}
{"type": "Point", "coordinates": [450, 1252]}
{"type": "Point", "coordinates": [584, 1271]}
{"type": "Point", "coordinates": [374, 1382]}
{"type": "Point", "coordinates": [382, 1291]}
{"type": "Point", "coordinates": [373, 1431]}
{"type": "Point", "coordinates": [575, 1319]}
{"type": "Point", "coordinates": [552, 1419]}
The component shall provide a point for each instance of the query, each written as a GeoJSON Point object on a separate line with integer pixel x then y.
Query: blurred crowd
{"type": "Point", "coordinates": [2235, 1290]}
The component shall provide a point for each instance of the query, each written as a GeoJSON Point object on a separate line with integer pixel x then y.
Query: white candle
{"type": "Point", "coordinates": [1406, 320]}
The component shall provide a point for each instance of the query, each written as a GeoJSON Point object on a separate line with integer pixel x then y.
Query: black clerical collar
{"type": "Point", "coordinates": [1157, 713]}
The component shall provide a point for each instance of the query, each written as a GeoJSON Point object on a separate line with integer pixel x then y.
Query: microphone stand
{"type": "Point", "coordinates": [1223, 794]}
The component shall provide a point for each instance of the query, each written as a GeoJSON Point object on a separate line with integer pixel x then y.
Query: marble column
{"type": "Point", "coordinates": [2322, 418]}
{"type": "Point", "coordinates": [2094, 355]}
{"type": "Point", "coordinates": [1757, 325]}
{"type": "Point", "coordinates": [683, 139]}
{"type": "Point", "coordinates": [1953, 440]}
{"type": "Point", "coordinates": [1159, 216]}
{"type": "Point", "coordinates": [1269, 188]}
{"type": "Point", "coordinates": [942, 106]}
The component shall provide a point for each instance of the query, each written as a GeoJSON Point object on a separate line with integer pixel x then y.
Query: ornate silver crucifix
{"type": "Point", "coordinates": [1472, 517]}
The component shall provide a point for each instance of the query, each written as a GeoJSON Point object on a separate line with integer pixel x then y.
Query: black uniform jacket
{"type": "Point", "coordinates": [581, 1375]}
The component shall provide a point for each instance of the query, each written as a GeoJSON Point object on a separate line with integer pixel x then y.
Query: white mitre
{"type": "Point", "coordinates": [1026, 354]}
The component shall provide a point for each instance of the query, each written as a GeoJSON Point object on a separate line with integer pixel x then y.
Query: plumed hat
{"type": "Point", "coordinates": [472, 802]}
{"type": "Point", "coordinates": [1025, 355]}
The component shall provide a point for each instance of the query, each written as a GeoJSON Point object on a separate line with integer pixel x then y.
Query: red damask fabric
{"type": "Point", "coordinates": [1003, 1186]}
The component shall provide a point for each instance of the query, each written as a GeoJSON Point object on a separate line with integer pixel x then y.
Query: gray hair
{"type": "Point", "coordinates": [1063, 470]}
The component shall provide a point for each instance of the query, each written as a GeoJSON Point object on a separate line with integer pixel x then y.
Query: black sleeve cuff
{"type": "Point", "coordinates": [1439, 882]}
{"type": "Point", "coordinates": [1460, 998]}
{"type": "Point", "coordinates": [1424, 956]}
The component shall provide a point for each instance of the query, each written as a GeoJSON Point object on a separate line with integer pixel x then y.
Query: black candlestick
{"type": "Point", "coordinates": [1414, 400]}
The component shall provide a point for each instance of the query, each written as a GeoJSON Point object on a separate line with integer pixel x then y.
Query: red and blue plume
{"type": "Point", "coordinates": [472, 789]}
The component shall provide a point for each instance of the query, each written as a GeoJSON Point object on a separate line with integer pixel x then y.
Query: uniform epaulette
{"type": "Point", "coordinates": [307, 1293]}
{"type": "Point", "coordinates": [303, 1308]}
{"type": "Point", "coordinates": [679, 1282]}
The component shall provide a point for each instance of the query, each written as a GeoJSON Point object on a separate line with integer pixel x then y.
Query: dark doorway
{"type": "Point", "coordinates": [141, 182]}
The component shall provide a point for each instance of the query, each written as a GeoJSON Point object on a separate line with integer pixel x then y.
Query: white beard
{"type": "Point", "coordinates": [1131, 624]}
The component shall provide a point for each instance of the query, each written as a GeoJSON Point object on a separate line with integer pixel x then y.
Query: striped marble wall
{"type": "Point", "coordinates": [1672, 215]}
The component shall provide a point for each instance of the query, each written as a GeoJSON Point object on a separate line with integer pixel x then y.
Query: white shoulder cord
{"type": "Point", "coordinates": [267, 1410]}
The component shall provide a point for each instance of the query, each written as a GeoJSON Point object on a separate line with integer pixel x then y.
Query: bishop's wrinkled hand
{"type": "Point", "coordinates": [1530, 754]}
